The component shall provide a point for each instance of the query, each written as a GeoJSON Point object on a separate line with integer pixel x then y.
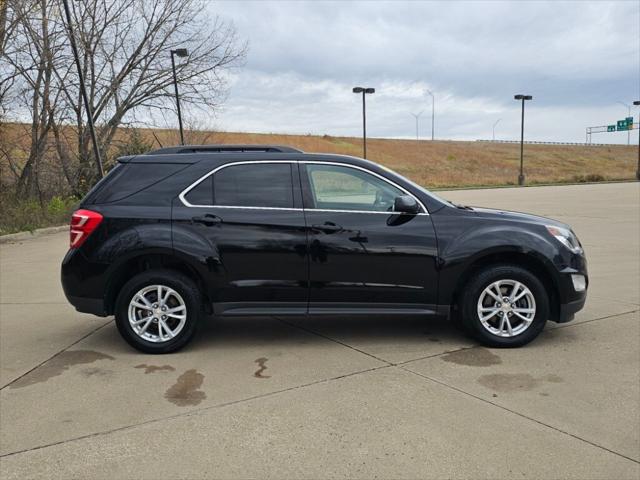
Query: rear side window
{"type": "Point", "coordinates": [130, 178]}
{"type": "Point", "coordinates": [201, 194]}
{"type": "Point", "coordinates": [254, 185]}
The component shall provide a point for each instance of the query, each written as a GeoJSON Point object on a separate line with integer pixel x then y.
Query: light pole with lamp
{"type": "Point", "coordinates": [523, 98]}
{"type": "Point", "coordinates": [180, 52]}
{"type": "Point", "coordinates": [637, 103]}
{"type": "Point", "coordinates": [364, 91]}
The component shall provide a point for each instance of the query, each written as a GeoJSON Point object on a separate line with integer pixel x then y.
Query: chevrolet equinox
{"type": "Point", "coordinates": [237, 230]}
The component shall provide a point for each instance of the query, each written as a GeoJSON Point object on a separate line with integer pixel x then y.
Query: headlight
{"type": "Point", "coordinates": [566, 237]}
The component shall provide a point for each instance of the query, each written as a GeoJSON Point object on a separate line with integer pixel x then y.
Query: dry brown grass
{"type": "Point", "coordinates": [440, 163]}
{"type": "Point", "coordinates": [457, 163]}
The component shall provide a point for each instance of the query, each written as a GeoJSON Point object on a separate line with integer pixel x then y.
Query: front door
{"type": "Point", "coordinates": [250, 214]}
{"type": "Point", "coordinates": [364, 258]}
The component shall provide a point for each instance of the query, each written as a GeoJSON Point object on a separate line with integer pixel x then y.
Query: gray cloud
{"type": "Point", "coordinates": [577, 59]}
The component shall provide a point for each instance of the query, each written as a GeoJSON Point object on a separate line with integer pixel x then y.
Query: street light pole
{"type": "Point", "coordinates": [637, 103]}
{"type": "Point", "coordinates": [493, 138]}
{"type": "Point", "coordinates": [417, 116]}
{"type": "Point", "coordinates": [629, 114]}
{"type": "Point", "coordinates": [180, 52]}
{"type": "Point", "coordinates": [433, 114]}
{"type": "Point", "coordinates": [521, 176]}
{"type": "Point", "coordinates": [364, 91]}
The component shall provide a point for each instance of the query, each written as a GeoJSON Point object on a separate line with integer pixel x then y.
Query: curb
{"type": "Point", "coordinates": [20, 236]}
{"type": "Point", "coordinates": [531, 185]}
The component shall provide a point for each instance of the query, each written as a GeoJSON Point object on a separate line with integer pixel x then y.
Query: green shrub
{"type": "Point", "coordinates": [591, 177]}
{"type": "Point", "coordinates": [134, 145]}
{"type": "Point", "coordinates": [27, 215]}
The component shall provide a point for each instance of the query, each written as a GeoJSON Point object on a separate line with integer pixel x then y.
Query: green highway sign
{"type": "Point", "coordinates": [623, 125]}
{"type": "Point", "coordinates": [611, 128]}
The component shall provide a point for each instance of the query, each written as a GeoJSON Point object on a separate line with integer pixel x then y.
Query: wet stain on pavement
{"type": "Point", "coordinates": [514, 382]}
{"type": "Point", "coordinates": [261, 363]}
{"type": "Point", "coordinates": [474, 357]}
{"type": "Point", "coordinates": [155, 368]}
{"type": "Point", "coordinates": [553, 378]}
{"type": "Point", "coordinates": [58, 364]}
{"type": "Point", "coordinates": [96, 372]}
{"type": "Point", "coordinates": [185, 391]}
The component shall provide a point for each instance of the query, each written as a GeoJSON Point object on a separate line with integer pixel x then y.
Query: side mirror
{"type": "Point", "coordinates": [406, 204]}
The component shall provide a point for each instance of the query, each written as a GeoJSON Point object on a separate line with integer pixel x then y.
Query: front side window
{"type": "Point", "coordinates": [336, 187]}
{"type": "Point", "coordinates": [254, 185]}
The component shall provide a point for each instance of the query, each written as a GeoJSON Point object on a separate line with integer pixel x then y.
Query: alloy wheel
{"type": "Point", "coordinates": [157, 313]}
{"type": "Point", "coordinates": [506, 308]}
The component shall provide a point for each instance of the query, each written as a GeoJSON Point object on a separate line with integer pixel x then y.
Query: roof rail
{"type": "Point", "coordinates": [224, 149]}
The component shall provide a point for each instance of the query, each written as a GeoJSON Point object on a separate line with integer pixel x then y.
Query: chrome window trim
{"type": "Point", "coordinates": [384, 179]}
{"type": "Point", "coordinates": [184, 201]}
{"type": "Point", "coordinates": [205, 176]}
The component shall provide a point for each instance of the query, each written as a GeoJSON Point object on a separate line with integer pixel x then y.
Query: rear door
{"type": "Point", "coordinates": [364, 258]}
{"type": "Point", "coordinates": [250, 214]}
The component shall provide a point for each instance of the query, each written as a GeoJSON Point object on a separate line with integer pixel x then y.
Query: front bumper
{"type": "Point", "coordinates": [95, 306]}
{"type": "Point", "coordinates": [570, 299]}
{"type": "Point", "coordinates": [568, 310]}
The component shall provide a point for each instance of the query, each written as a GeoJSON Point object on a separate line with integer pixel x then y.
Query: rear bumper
{"type": "Point", "coordinates": [82, 284]}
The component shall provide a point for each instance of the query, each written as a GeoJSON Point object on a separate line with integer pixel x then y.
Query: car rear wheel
{"type": "Point", "coordinates": [158, 311]}
{"type": "Point", "coordinates": [504, 306]}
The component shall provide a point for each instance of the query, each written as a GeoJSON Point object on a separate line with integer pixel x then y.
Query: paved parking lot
{"type": "Point", "coordinates": [343, 398]}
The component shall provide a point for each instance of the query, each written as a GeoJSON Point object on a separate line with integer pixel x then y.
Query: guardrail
{"type": "Point", "coordinates": [529, 142]}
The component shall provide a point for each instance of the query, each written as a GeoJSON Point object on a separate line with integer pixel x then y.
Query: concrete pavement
{"type": "Point", "coordinates": [340, 398]}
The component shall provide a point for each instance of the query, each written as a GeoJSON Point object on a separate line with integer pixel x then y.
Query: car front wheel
{"type": "Point", "coordinates": [504, 306]}
{"type": "Point", "coordinates": [158, 311]}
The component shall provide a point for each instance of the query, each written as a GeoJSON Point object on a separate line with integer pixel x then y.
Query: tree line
{"type": "Point", "coordinates": [124, 49]}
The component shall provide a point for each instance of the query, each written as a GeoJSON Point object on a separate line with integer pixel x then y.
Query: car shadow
{"type": "Point", "coordinates": [283, 331]}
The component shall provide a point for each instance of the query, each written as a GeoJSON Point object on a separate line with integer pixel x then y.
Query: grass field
{"type": "Point", "coordinates": [459, 164]}
{"type": "Point", "coordinates": [432, 164]}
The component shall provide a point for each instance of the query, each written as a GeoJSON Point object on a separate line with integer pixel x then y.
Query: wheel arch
{"type": "Point", "coordinates": [136, 264]}
{"type": "Point", "coordinates": [532, 263]}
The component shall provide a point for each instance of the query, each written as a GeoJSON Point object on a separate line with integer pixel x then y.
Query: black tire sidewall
{"type": "Point", "coordinates": [482, 280]}
{"type": "Point", "coordinates": [175, 280]}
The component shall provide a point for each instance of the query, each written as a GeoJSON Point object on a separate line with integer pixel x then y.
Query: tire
{"type": "Point", "coordinates": [515, 331]}
{"type": "Point", "coordinates": [181, 317]}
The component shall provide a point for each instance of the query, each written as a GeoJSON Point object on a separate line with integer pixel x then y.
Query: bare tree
{"type": "Point", "coordinates": [28, 59]}
{"type": "Point", "coordinates": [124, 50]}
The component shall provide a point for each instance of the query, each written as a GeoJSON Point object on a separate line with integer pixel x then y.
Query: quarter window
{"type": "Point", "coordinates": [201, 194]}
{"type": "Point", "coordinates": [254, 185]}
{"type": "Point", "coordinates": [335, 187]}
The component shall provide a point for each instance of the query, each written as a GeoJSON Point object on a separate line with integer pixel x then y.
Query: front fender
{"type": "Point", "coordinates": [470, 247]}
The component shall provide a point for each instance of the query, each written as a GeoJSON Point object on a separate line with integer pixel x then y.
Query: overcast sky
{"type": "Point", "coordinates": [577, 59]}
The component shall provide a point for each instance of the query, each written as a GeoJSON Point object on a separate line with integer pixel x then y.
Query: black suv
{"type": "Point", "coordinates": [236, 230]}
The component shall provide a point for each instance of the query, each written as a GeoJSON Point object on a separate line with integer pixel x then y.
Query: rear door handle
{"type": "Point", "coordinates": [328, 227]}
{"type": "Point", "coordinates": [207, 219]}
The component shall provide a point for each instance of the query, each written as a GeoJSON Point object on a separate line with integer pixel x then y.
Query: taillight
{"type": "Point", "coordinates": [83, 223]}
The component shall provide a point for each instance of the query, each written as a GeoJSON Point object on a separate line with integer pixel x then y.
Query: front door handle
{"type": "Point", "coordinates": [328, 227]}
{"type": "Point", "coordinates": [207, 219]}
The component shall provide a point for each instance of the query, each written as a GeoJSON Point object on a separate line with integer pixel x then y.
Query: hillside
{"type": "Point", "coordinates": [454, 163]}
{"type": "Point", "coordinates": [433, 164]}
